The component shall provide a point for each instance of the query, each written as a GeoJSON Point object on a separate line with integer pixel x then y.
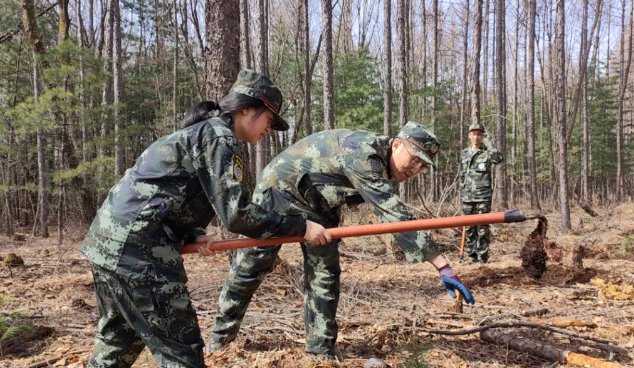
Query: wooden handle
{"type": "Point", "coordinates": [363, 230]}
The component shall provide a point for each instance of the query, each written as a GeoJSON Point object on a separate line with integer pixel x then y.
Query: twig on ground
{"type": "Point", "coordinates": [600, 346]}
{"type": "Point", "coordinates": [527, 313]}
{"type": "Point", "coordinates": [543, 350]}
{"type": "Point", "coordinates": [49, 361]}
{"type": "Point", "coordinates": [513, 325]}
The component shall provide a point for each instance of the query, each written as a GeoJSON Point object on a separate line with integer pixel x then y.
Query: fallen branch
{"type": "Point", "coordinates": [604, 347]}
{"type": "Point", "coordinates": [49, 361]}
{"type": "Point", "coordinates": [527, 313]}
{"type": "Point", "coordinates": [278, 328]}
{"type": "Point", "coordinates": [525, 345]}
{"type": "Point", "coordinates": [45, 363]}
{"type": "Point", "coordinates": [513, 325]}
{"type": "Point", "coordinates": [544, 351]}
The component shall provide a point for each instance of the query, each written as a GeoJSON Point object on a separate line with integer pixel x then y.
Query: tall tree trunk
{"type": "Point", "coordinates": [33, 37]}
{"type": "Point", "coordinates": [401, 29]}
{"type": "Point", "coordinates": [329, 103]}
{"type": "Point", "coordinates": [549, 91]}
{"type": "Point", "coordinates": [485, 55]}
{"type": "Point", "coordinates": [561, 115]}
{"type": "Point", "coordinates": [189, 58]}
{"type": "Point", "coordinates": [434, 173]}
{"type": "Point", "coordinates": [245, 38]}
{"type": "Point", "coordinates": [532, 12]}
{"type": "Point", "coordinates": [583, 67]}
{"type": "Point", "coordinates": [175, 69]}
{"type": "Point", "coordinates": [60, 194]}
{"type": "Point", "coordinates": [424, 57]}
{"type": "Point", "coordinates": [263, 146]}
{"type": "Point", "coordinates": [625, 72]}
{"type": "Point", "coordinates": [63, 32]}
{"type": "Point", "coordinates": [199, 37]}
{"type": "Point", "coordinates": [345, 26]}
{"type": "Point", "coordinates": [64, 21]}
{"type": "Point", "coordinates": [106, 96]}
{"type": "Point", "coordinates": [408, 40]}
{"type": "Point", "coordinates": [11, 202]}
{"type": "Point", "coordinates": [222, 19]}
{"type": "Point", "coordinates": [223, 58]}
{"type": "Point", "coordinates": [585, 197]}
{"type": "Point", "coordinates": [475, 72]}
{"type": "Point", "coordinates": [513, 175]}
{"type": "Point", "coordinates": [91, 23]}
{"type": "Point", "coordinates": [493, 49]}
{"type": "Point", "coordinates": [87, 205]}
{"type": "Point", "coordinates": [387, 67]}
{"type": "Point", "coordinates": [117, 64]}
{"type": "Point", "coordinates": [465, 84]}
{"type": "Point", "coordinates": [500, 91]}
{"type": "Point", "coordinates": [41, 169]}
{"type": "Point", "coordinates": [308, 75]}
{"type": "Point", "coordinates": [246, 63]}
{"type": "Point", "coordinates": [401, 25]}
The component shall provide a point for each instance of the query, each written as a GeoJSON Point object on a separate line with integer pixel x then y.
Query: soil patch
{"type": "Point", "coordinates": [555, 275]}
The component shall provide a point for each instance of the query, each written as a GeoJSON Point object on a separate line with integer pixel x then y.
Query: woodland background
{"type": "Point", "coordinates": [87, 85]}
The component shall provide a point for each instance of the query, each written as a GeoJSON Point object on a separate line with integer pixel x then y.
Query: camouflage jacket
{"type": "Point", "coordinates": [341, 166]}
{"type": "Point", "coordinates": [170, 195]}
{"type": "Point", "coordinates": [475, 172]}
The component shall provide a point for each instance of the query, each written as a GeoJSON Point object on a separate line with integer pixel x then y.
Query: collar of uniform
{"type": "Point", "coordinates": [227, 121]}
{"type": "Point", "coordinates": [479, 149]}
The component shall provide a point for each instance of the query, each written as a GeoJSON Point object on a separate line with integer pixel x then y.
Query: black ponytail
{"type": "Point", "coordinates": [228, 105]}
{"type": "Point", "coordinates": [199, 112]}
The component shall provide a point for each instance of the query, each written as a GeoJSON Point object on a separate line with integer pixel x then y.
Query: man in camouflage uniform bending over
{"type": "Point", "coordinates": [476, 162]}
{"type": "Point", "coordinates": [314, 178]}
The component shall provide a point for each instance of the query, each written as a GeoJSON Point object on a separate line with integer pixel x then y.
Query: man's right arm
{"type": "Point", "coordinates": [495, 155]}
{"type": "Point", "coordinates": [377, 190]}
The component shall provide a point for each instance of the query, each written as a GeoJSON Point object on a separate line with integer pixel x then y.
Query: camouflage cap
{"type": "Point", "coordinates": [476, 126]}
{"type": "Point", "coordinates": [424, 142]}
{"type": "Point", "coordinates": [258, 86]}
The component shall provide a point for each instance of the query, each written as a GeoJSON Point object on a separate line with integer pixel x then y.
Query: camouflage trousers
{"type": "Point", "coordinates": [144, 312]}
{"type": "Point", "coordinates": [478, 237]}
{"type": "Point", "coordinates": [321, 289]}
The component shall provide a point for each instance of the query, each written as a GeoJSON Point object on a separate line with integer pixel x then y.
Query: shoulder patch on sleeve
{"type": "Point", "coordinates": [221, 131]}
{"type": "Point", "coordinates": [385, 176]}
{"type": "Point", "coordinates": [238, 169]}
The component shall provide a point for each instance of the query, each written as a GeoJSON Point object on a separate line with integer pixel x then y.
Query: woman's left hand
{"type": "Point", "coordinates": [206, 249]}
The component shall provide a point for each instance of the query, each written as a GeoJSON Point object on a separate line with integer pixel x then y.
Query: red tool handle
{"type": "Point", "coordinates": [375, 229]}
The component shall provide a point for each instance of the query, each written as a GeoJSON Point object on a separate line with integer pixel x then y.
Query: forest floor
{"type": "Point", "coordinates": [384, 304]}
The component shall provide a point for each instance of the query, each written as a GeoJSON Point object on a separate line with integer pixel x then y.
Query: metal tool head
{"type": "Point", "coordinates": [536, 216]}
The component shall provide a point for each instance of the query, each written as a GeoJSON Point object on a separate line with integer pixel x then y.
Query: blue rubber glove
{"type": "Point", "coordinates": [452, 282]}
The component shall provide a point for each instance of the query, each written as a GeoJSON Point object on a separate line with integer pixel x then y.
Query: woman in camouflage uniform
{"type": "Point", "coordinates": [166, 200]}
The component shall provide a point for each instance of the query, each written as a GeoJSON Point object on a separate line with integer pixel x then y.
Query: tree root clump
{"type": "Point", "coordinates": [533, 255]}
